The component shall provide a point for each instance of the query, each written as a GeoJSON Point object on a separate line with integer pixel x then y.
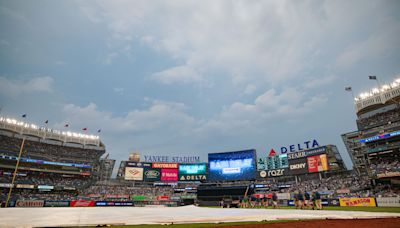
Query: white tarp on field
{"type": "Point", "coordinates": [69, 216]}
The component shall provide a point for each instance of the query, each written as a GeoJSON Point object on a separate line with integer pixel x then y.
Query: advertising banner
{"type": "Point", "coordinates": [29, 203]}
{"type": "Point", "coordinates": [388, 201]}
{"type": "Point", "coordinates": [283, 196]}
{"type": "Point", "coordinates": [272, 173]}
{"type": "Point", "coordinates": [138, 198]}
{"type": "Point", "coordinates": [317, 163]}
{"type": "Point", "coordinates": [5, 185]}
{"type": "Point", "coordinates": [165, 165]}
{"type": "Point", "coordinates": [113, 203]}
{"type": "Point", "coordinates": [306, 153]}
{"type": "Point", "coordinates": [121, 196]}
{"type": "Point", "coordinates": [162, 198]}
{"type": "Point", "coordinates": [152, 174]}
{"type": "Point", "coordinates": [169, 174]}
{"type": "Point", "coordinates": [195, 177]}
{"type": "Point", "coordinates": [134, 173]}
{"type": "Point", "coordinates": [81, 203]}
{"type": "Point", "coordinates": [388, 174]}
{"type": "Point", "coordinates": [357, 202]}
{"type": "Point", "coordinates": [56, 203]}
{"type": "Point", "coordinates": [45, 187]}
{"type": "Point", "coordinates": [30, 186]}
{"type": "Point", "coordinates": [137, 164]}
{"type": "Point", "coordinates": [298, 166]}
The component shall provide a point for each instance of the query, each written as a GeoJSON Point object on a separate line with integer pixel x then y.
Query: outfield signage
{"type": "Point", "coordinates": [298, 166]}
{"type": "Point", "coordinates": [165, 165]}
{"type": "Point", "coordinates": [298, 147]}
{"type": "Point", "coordinates": [357, 202]}
{"type": "Point", "coordinates": [81, 203]}
{"type": "Point", "coordinates": [306, 153]}
{"type": "Point", "coordinates": [388, 201]}
{"type": "Point", "coordinates": [272, 173]}
{"type": "Point", "coordinates": [152, 174]}
{"type": "Point", "coordinates": [134, 173]}
{"type": "Point", "coordinates": [192, 177]}
{"type": "Point", "coordinates": [379, 137]}
{"type": "Point", "coordinates": [56, 203]}
{"type": "Point", "coordinates": [29, 203]}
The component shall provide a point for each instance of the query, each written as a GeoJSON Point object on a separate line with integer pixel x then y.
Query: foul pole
{"type": "Point", "coordinates": [15, 171]}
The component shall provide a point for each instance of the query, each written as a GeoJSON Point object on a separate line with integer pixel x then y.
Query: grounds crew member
{"type": "Point", "coordinates": [274, 200]}
{"type": "Point", "coordinates": [307, 198]}
{"type": "Point", "coordinates": [300, 199]}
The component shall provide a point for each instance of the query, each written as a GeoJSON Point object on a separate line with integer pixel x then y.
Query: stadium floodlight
{"type": "Point", "coordinates": [375, 90]}
{"type": "Point", "coordinates": [397, 80]}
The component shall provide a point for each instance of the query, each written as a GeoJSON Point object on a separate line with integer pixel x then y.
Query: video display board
{"type": "Point", "coordinates": [193, 172]}
{"type": "Point", "coordinates": [230, 166]}
{"type": "Point", "coordinates": [317, 163]}
{"type": "Point", "coordinates": [273, 162]}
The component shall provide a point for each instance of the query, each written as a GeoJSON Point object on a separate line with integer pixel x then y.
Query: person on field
{"type": "Point", "coordinates": [295, 200]}
{"type": "Point", "coordinates": [307, 198]}
{"type": "Point", "coordinates": [245, 202]}
{"type": "Point", "coordinates": [300, 199]}
{"type": "Point", "coordinates": [274, 201]}
{"type": "Point", "coordinates": [317, 200]}
{"type": "Point", "coordinates": [265, 201]}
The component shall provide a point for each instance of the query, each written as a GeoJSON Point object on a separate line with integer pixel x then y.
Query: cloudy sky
{"type": "Point", "coordinates": [193, 77]}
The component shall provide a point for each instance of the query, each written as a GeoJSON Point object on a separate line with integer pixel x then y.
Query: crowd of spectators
{"type": "Point", "coordinates": [49, 152]}
{"type": "Point", "coordinates": [379, 119]}
{"type": "Point", "coordinates": [49, 179]}
{"type": "Point", "coordinates": [385, 167]}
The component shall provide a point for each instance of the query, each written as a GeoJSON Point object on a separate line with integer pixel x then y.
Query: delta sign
{"type": "Point", "coordinates": [295, 147]}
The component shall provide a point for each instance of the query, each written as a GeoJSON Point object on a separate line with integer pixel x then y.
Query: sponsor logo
{"type": "Point", "coordinates": [302, 154]}
{"type": "Point", "coordinates": [134, 172]}
{"type": "Point", "coordinates": [29, 203]}
{"type": "Point", "coordinates": [152, 173]}
{"type": "Point", "coordinates": [263, 174]}
{"type": "Point", "coordinates": [298, 166]}
{"type": "Point", "coordinates": [192, 177]}
{"type": "Point", "coordinates": [275, 173]}
{"type": "Point", "coordinates": [165, 165]}
{"type": "Point", "coordinates": [230, 170]}
{"type": "Point", "coordinates": [299, 146]}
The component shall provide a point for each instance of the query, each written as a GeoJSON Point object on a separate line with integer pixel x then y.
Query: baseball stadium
{"type": "Point", "coordinates": [53, 178]}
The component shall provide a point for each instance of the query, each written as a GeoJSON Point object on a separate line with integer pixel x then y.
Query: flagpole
{"type": "Point", "coordinates": [15, 171]}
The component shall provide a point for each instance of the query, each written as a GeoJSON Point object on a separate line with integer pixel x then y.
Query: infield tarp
{"type": "Point", "coordinates": [78, 216]}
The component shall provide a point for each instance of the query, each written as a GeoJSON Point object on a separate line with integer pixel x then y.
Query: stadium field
{"type": "Point", "coordinates": [331, 208]}
{"type": "Point", "coordinates": [93, 216]}
{"type": "Point", "coordinates": [351, 223]}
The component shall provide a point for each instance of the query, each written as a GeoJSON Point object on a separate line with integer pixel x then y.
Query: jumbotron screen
{"type": "Point", "coordinates": [231, 166]}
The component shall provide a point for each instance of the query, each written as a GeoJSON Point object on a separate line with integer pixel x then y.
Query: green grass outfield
{"type": "Point", "coordinates": [197, 225]}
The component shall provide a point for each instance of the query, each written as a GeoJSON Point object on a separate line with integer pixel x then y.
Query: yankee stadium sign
{"type": "Point", "coordinates": [174, 159]}
{"type": "Point", "coordinates": [299, 146]}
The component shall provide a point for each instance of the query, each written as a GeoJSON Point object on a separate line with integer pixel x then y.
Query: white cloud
{"type": "Point", "coordinates": [9, 87]}
{"type": "Point", "coordinates": [250, 89]}
{"type": "Point", "coordinates": [110, 57]}
{"type": "Point", "coordinates": [119, 91]}
{"type": "Point", "coordinates": [268, 107]}
{"type": "Point", "coordinates": [179, 74]}
{"type": "Point", "coordinates": [160, 115]}
{"type": "Point", "coordinates": [319, 82]}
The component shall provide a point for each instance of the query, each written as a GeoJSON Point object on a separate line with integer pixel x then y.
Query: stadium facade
{"type": "Point", "coordinates": [51, 161]}
{"type": "Point", "coordinates": [374, 147]}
